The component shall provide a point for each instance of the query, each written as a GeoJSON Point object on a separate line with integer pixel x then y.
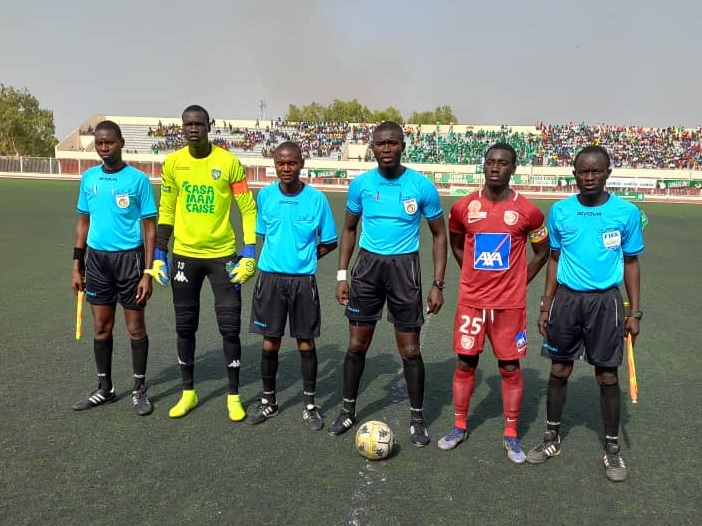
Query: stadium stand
{"type": "Point", "coordinates": [647, 161]}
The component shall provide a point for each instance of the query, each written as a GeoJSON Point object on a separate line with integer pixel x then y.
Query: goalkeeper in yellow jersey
{"type": "Point", "coordinates": [199, 182]}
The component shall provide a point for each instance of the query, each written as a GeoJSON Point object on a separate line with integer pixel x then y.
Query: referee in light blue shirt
{"type": "Point", "coordinates": [297, 227]}
{"type": "Point", "coordinates": [596, 239]}
{"type": "Point", "coordinates": [389, 202]}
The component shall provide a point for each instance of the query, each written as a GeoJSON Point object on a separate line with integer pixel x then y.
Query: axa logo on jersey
{"type": "Point", "coordinates": [492, 251]}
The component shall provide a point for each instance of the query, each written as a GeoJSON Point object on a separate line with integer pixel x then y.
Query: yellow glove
{"type": "Point", "coordinates": [243, 268]}
{"type": "Point", "coordinates": [160, 270]}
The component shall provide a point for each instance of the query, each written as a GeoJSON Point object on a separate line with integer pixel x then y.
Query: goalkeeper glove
{"type": "Point", "coordinates": [243, 267]}
{"type": "Point", "coordinates": [161, 267]}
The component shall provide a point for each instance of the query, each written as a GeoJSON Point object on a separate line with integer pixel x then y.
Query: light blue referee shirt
{"type": "Point", "coordinates": [593, 241]}
{"type": "Point", "coordinates": [116, 203]}
{"type": "Point", "coordinates": [292, 226]}
{"type": "Point", "coordinates": [391, 210]}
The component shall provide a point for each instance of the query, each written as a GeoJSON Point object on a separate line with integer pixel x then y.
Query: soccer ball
{"type": "Point", "coordinates": [374, 440]}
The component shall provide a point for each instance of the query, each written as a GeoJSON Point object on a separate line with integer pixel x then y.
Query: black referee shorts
{"type": "Point", "coordinates": [279, 297]}
{"type": "Point", "coordinates": [114, 276]}
{"type": "Point", "coordinates": [397, 280]}
{"type": "Point", "coordinates": [593, 319]}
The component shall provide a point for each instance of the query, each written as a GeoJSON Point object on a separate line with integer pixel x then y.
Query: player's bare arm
{"type": "Point", "coordinates": [347, 244]}
{"type": "Point", "coordinates": [435, 298]}
{"type": "Point", "coordinates": [145, 287]}
{"type": "Point", "coordinates": [81, 243]}
{"type": "Point", "coordinates": [325, 248]}
{"type": "Point", "coordinates": [457, 244]}
{"type": "Point", "coordinates": [538, 260]}
{"type": "Point", "coordinates": [632, 283]}
{"type": "Point", "coordinates": [549, 290]}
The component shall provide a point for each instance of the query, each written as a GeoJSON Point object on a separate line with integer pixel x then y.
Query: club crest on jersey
{"type": "Point", "coordinates": [410, 206]}
{"type": "Point", "coordinates": [122, 200]}
{"type": "Point", "coordinates": [474, 213]}
{"type": "Point", "coordinates": [216, 173]}
{"type": "Point", "coordinates": [511, 217]}
{"type": "Point", "coordinates": [612, 240]}
{"type": "Point", "coordinates": [467, 342]}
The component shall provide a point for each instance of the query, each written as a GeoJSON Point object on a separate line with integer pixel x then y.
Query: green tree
{"type": "Point", "coordinates": [25, 128]}
{"type": "Point", "coordinates": [442, 114]}
{"type": "Point", "coordinates": [388, 114]}
{"type": "Point", "coordinates": [354, 111]}
{"type": "Point", "coordinates": [424, 117]}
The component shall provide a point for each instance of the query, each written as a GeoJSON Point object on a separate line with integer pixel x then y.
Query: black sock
{"type": "Point", "coordinates": [555, 401]}
{"type": "Point", "coordinates": [354, 364]}
{"type": "Point", "coordinates": [308, 368]}
{"type": "Point", "coordinates": [269, 371]}
{"type": "Point", "coordinates": [103, 362]}
{"type": "Point", "coordinates": [414, 376]}
{"type": "Point", "coordinates": [140, 355]}
{"type": "Point", "coordinates": [232, 354]}
{"type": "Point", "coordinates": [610, 403]}
{"type": "Point", "coordinates": [186, 359]}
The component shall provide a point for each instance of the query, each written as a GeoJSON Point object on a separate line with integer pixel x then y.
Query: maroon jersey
{"type": "Point", "coordinates": [494, 273]}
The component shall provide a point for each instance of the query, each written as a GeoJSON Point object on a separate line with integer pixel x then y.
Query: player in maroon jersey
{"type": "Point", "coordinates": [489, 230]}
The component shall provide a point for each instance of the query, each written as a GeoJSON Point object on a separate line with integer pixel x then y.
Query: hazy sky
{"type": "Point", "coordinates": [508, 61]}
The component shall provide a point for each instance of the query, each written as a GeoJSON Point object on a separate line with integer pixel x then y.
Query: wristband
{"type": "Point", "coordinates": [341, 275]}
{"type": "Point", "coordinates": [249, 251]}
{"type": "Point", "coordinates": [79, 253]}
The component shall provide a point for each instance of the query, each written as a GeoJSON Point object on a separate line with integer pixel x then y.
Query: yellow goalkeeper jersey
{"type": "Point", "coordinates": [196, 198]}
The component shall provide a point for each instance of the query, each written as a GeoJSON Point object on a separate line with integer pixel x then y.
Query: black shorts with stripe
{"type": "Point", "coordinates": [586, 322]}
{"type": "Point", "coordinates": [395, 279]}
{"type": "Point", "coordinates": [278, 298]}
{"type": "Point", "coordinates": [112, 277]}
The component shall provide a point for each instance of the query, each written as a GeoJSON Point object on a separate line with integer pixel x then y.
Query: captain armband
{"type": "Point", "coordinates": [240, 187]}
{"type": "Point", "coordinates": [538, 235]}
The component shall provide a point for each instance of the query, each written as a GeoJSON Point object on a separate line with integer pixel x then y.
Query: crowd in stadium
{"type": "Point", "coordinates": [549, 145]}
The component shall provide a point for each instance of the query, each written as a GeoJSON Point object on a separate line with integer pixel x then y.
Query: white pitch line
{"type": "Point", "coordinates": [374, 471]}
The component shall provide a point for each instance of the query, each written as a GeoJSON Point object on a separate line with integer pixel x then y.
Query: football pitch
{"type": "Point", "coordinates": [109, 467]}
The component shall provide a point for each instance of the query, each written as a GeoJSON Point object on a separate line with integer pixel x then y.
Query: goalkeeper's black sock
{"type": "Point", "coordinates": [103, 362]}
{"type": "Point", "coordinates": [555, 401]}
{"type": "Point", "coordinates": [610, 404]}
{"type": "Point", "coordinates": [269, 371]}
{"type": "Point", "coordinates": [140, 355]}
{"type": "Point", "coordinates": [354, 364]}
{"type": "Point", "coordinates": [186, 359]}
{"type": "Point", "coordinates": [232, 353]}
{"type": "Point", "coordinates": [308, 368]}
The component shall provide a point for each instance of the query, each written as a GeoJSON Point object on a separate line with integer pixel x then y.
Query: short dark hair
{"type": "Point", "coordinates": [389, 126]}
{"type": "Point", "coordinates": [290, 145]}
{"type": "Point", "coordinates": [198, 108]}
{"type": "Point", "coordinates": [593, 148]}
{"type": "Point", "coordinates": [109, 125]}
{"type": "Point", "coordinates": [503, 146]}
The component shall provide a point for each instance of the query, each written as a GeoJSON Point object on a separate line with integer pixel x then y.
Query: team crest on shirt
{"type": "Point", "coordinates": [216, 173]}
{"type": "Point", "coordinates": [410, 206]}
{"type": "Point", "coordinates": [467, 342]}
{"type": "Point", "coordinates": [511, 217]}
{"type": "Point", "coordinates": [122, 200]}
{"type": "Point", "coordinates": [474, 213]}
